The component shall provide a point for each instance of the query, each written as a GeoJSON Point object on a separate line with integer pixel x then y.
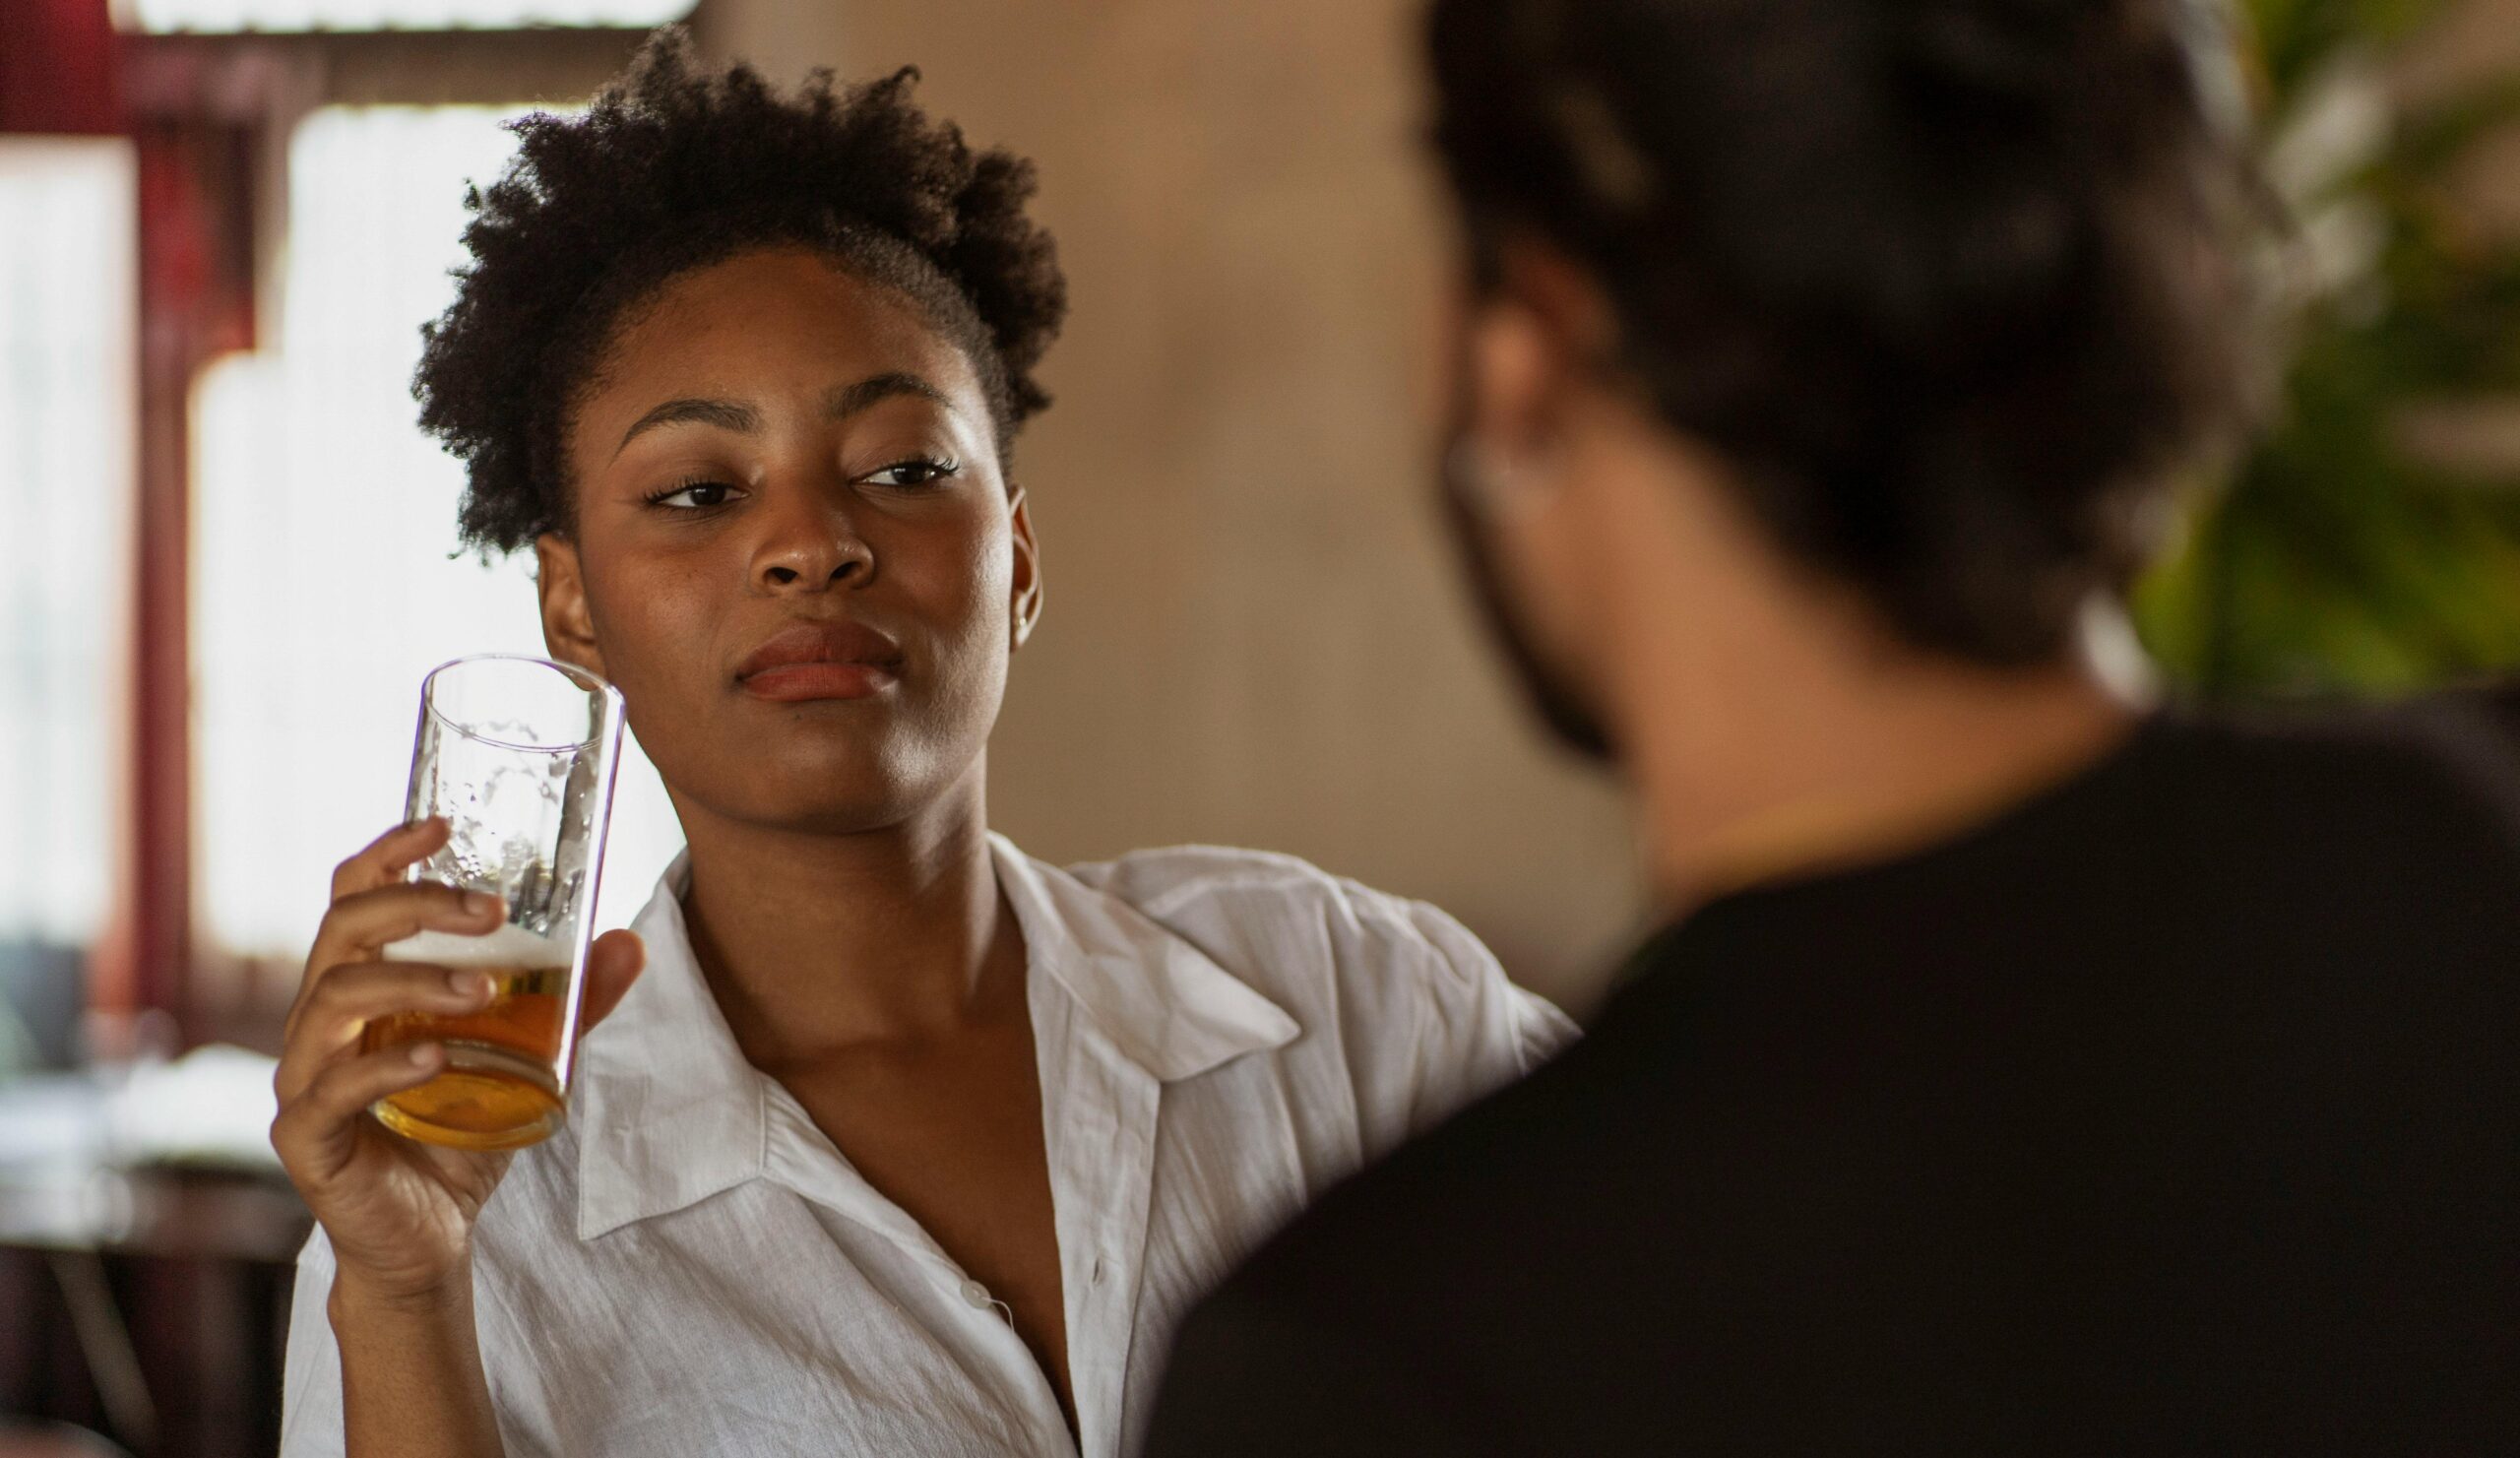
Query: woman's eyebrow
{"type": "Point", "coordinates": [743, 419]}
{"type": "Point", "coordinates": [849, 400]}
{"type": "Point", "coordinates": [726, 415]}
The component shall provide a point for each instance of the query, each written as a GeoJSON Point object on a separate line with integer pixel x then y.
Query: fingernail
{"type": "Point", "coordinates": [477, 902]}
{"type": "Point", "coordinates": [467, 982]}
{"type": "Point", "coordinates": [423, 1053]}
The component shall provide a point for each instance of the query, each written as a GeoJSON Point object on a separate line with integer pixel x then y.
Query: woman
{"type": "Point", "coordinates": [902, 1142]}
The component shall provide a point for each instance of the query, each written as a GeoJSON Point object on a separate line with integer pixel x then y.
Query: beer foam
{"type": "Point", "coordinates": [509, 947]}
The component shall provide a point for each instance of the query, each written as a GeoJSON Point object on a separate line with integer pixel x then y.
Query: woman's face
{"type": "Point", "coordinates": [793, 549]}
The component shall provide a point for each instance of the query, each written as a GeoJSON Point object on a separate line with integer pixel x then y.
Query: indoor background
{"type": "Point", "coordinates": [226, 553]}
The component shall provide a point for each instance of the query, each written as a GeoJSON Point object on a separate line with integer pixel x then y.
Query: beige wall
{"type": "Point", "coordinates": [1253, 635]}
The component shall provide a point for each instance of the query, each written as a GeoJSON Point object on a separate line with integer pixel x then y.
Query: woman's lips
{"type": "Point", "coordinates": [797, 683]}
{"type": "Point", "coordinates": [821, 660]}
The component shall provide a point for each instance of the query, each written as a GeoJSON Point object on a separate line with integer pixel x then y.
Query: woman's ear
{"type": "Point", "coordinates": [1025, 598]}
{"type": "Point", "coordinates": [568, 625]}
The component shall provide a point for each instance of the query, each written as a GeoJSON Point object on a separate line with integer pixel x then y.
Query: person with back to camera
{"type": "Point", "coordinates": [903, 1143]}
{"type": "Point", "coordinates": [2023, 1068]}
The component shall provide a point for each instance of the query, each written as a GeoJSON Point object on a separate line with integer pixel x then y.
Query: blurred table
{"type": "Point", "coordinates": [145, 1246]}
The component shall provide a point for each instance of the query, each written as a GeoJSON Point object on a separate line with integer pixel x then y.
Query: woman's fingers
{"type": "Point", "coordinates": [339, 1004]}
{"type": "Point", "coordinates": [364, 924]}
{"type": "Point", "coordinates": [385, 858]}
{"type": "Point", "coordinates": [317, 1131]}
{"type": "Point", "coordinates": [614, 962]}
{"type": "Point", "coordinates": [368, 920]}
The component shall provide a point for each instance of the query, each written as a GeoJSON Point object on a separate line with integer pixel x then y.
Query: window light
{"type": "Point", "coordinates": [161, 17]}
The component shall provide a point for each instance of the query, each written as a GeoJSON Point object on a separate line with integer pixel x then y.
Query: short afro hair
{"type": "Point", "coordinates": [676, 167]}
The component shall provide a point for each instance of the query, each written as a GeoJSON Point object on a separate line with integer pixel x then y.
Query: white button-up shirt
{"type": "Point", "coordinates": [691, 1267]}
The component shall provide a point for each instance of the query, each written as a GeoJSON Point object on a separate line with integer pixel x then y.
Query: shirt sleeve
{"type": "Point", "coordinates": [1443, 1024]}
{"type": "Point", "coordinates": [311, 1407]}
{"type": "Point", "coordinates": [312, 1424]}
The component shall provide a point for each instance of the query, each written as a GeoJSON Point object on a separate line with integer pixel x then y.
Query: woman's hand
{"type": "Point", "coordinates": [398, 1213]}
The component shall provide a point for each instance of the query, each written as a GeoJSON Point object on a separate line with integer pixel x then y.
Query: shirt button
{"type": "Point", "coordinates": [976, 1295]}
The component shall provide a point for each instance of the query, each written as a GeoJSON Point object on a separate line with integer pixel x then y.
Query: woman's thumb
{"type": "Point", "coordinates": [613, 965]}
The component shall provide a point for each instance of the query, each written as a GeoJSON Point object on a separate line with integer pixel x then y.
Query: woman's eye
{"type": "Point", "coordinates": [914, 473]}
{"type": "Point", "coordinates": [692, 495]}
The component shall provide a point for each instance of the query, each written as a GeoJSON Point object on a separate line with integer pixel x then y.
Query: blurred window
{"type": "Point", "coordinates": [68, 376]}
{"type": "Point", "coordinates": [325, 576]}
{"type": "Point", "coordinates": [68, 417]}
{"type": "Point", "coordinates": [228, 16]}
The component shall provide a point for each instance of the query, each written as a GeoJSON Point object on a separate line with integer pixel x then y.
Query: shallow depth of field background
{"type": "Point", "coordinates": [226, 551]}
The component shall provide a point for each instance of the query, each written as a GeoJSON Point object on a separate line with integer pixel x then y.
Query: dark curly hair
{"type": "Point", "coordinates": [1954, 284]}
{"type": "Point", "coordinates": [676, 167]}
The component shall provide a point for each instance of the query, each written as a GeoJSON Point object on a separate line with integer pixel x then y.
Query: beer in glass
{"type": "Point", "coordinates": [517, 754]}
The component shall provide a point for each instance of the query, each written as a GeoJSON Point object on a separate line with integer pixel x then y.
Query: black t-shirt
{"type": "Point", "coordinates": [2179, 1108]}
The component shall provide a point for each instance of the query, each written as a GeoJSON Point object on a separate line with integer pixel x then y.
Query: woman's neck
{"type": "Point", "coordinates": [814, 942]}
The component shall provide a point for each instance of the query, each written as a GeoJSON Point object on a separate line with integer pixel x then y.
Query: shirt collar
{"type": "Point", "coordinates": [668, 1112]}
{"type": "Point", "coordinates": [1165, 1005]}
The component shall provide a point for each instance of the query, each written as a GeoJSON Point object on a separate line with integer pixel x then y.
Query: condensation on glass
{"type": "Point", "coordinates": [517, 755]}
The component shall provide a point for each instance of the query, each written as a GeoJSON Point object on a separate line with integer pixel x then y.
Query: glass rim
{"type": "Point", "coordinates": [595, 683]}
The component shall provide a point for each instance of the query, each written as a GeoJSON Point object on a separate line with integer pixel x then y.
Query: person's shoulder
{"type": "Point", "coordinates": [1288, 905]}
{"type": "Point", "coordinates": [2346, 863]}
{"type": "Point", "coordinates": [1405, 1014]}
{"type": "Point", "coordinates": [1397, 1313]}
{"type": "Point", "coordinates": [1370, 1322]}
{"type": "Point", "coordinates": [2440, 774]}
{"type": "Point", "coordinates": [1537, 1154]}
{"type": "Point", "coordinates": [1171, 877]}
{"type": "Point", "coordinates": [1443, 1261]}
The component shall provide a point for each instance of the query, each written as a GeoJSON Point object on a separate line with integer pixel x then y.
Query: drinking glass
{"type": "Point", "coordinates": [518, 754]}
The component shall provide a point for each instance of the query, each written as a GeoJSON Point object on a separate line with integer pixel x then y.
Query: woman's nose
{"type": "Point", "coordinates": [810, 542]}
